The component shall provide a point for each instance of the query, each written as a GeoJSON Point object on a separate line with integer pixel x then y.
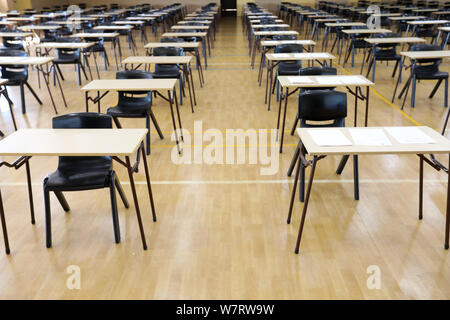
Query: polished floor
{"type": "Point", "coordinates": [221, 230]}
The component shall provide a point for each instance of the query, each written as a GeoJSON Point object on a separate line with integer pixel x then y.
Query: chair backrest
{"type": "Point", "coordinates": [82, 120]}
{"type": "Point", "coordinates": [68, 53]}
{"type": "Point", "coordinates": [289, 48]}
{"type": "Point", "coordinates": [427, 47]}
{"type": "Point", "coordinates": [171, 40]}
{"type": "Point", "coordinates": [133, 74]}
{"type": "Point", "coordinates": [284, 37]}
{"type": "Point", "coordinates": [8, 71]}
{"type": "Point", "coordinates": [322, 105]}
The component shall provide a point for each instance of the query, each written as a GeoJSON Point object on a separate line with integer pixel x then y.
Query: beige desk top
{"type": "Point", "coordinates": [273, 43]}
{"type": "Point", "coordinates": [130, 84]}
{"type": "Point", "coordinates": [128, 22]}
{"type": "Point", "coordinates": [395, 40]}
{"type": "Point", "coordinates": [95, 35]}
{"type": "Point", "coordinates": [25, 60]}
{"type": "Point", "coordinates": [278, 25]}
{"type": "Point", "coordinates": [445, 29]}
{"type": "Point", "coordinates": [428, 22]}
{"type": "Point", "coordinates": [22, 19]}
{"type": "Point", "coordinates": [172, 44]}
{"type": "Point", "coordinates": [65, 45]}
{"type": "Point", "coordinates": [190, 27]}
{"type": "Point", "coordinates": [72, 142]}
{"type": "Point", "coordinates": [158, 60]}
{"type": "Point", "coordinates": [329, 19]}
{"type": "Point", "coordinates": [406, 18]}
{"type": "Point", "coordinates": [199, 18]}
{"type": "Point", "coordinates": [426, 54]}
{"type": "Point", "coordinates": [299, 56]}
{"type": "Point", "coordinates": [118, 27]}
{"type": "Point", "coordinates": [3, 81]}
{"type": "Point", "coordinates": [184, 34]}
{"type": "Point", "coordinates": [34, 27]}
{"type": "Point", "coordinates": [199, 21]}
{"type": "Point", "coordinates": [141, 18]}
{"type": "Point", "coordinates": [345, 24]}
{"type": "Point", "coordinates": [365, 31]}
{"type": "Point", "coordinates": [274, 33]}
{"type": "Point", "coordinates": [15, 34]}
{"type": "Point", "coordinates": [442, 144]}
{"type": "Point", "coordinates": [324, 81]}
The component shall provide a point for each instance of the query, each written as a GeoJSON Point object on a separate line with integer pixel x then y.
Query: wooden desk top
{"type": "Point", "coordinates": [34, 27]}
{"type": "Point", "coordinates": [189, 27]}
{"type": "Point", "coordinates": [130, 84]}
{"type": "Point", "coordinates": [118, 27]}
{"type": "Point", "coordinates": [3, 81]}
{"type": "Point", "coordinates": [95, 35]}
{"type": "Point", "coordinates": [72, 142]}
{"type": "Point", "coordinates": [65, 45]}
{"type": "Point", "coordinates": [199, 21]}
{"type": "Point", "coordinates": [445, 29]}
{"type": "Point", "coordinates": [15, 34]}
{"type": "Point", "coordinates": [25, 60]}
{"type": "Point", "coordinates": [172, 44]}
{"type": "Point", "coordinates": [141, 18]}
{"type": "Point", "coordinates": [324, 81]}
{"type": "Point", "coordinates": [442, 144]}
{"type": "Point", "coordinates": [299, 56]}
{"type": "Point", "coordinates": [278, 25]}
{"type": "Point", "coordinates": [158, 60]}
{"type": "Point", "coordinates": [406, 18]}
{"type": "Point", "coordinates": [273, 43]}
{"type": "Point", "coordinates": [426, 54]}
{"type": "Point", "coordinates": [274, 33]}
{"type": "Point", "coordinates": [395, 40]}
{"type": "Point", "coordinates": [365, 31]}
{"type": "Point", "coordinates": [345, 24]}
{"type": "Point", "coordinates": [428, 22]}
{"type": "Point", "coordinates": [184, 34]}
{"type": "Point", "coordinates": [128, 22]}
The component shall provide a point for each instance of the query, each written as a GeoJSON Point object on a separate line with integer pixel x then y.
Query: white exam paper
{"type": "Point", "coordinates": [329, 137]}
{"type": "Point", "coordinates": [369, 137]}
{"type": "Point", "coordinates": [409, 135]}
{"type": "Point", "coordinates": [300, 80]}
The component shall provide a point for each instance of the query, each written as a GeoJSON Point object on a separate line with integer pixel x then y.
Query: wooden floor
{"type": "Point", "coordinates": [221, 230]}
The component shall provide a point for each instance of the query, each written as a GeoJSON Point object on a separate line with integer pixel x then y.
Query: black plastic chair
{"type": "Point", "coordinates": [17, 75]}
{"type": "Point", "coordinates": [68, 56]}
{"type": "Point", "coordinates": [82, 173]}
{"type": "Point", "coordinates": [135, 104]}
{"type": "Point", "coordinates": [356, 42]}
{"type": "Point", "coordinates": [384, 52]}
{"type": "Point", "coordinates": [287, 68]}
{"type": "Point", "coordinates": [169, 71]}
{"type": "Point", "coordinates": [314, 71]}
{"type": "Point", "coordinates": [315, 107]}
{"type": "Point", "coordinates": [98, 47]}
{"type": "Point", "coordinates": [428, 69]}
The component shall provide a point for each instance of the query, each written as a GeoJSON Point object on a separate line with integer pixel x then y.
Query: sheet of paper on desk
{"type": "Point", "coordinates": [350, 79]}
{"type": "Point", "coordinates": [328, 80]}
{"type": "Point", "coordinates": [282, 55]}
{"type": "Point", "coordinates": [301, 80]}
{"type": "Point", "coordinates": [409, 135]}
{"type": "Point", "coordinates": [329, 137]}
{"type": "Point", "coordinates": [369, 137]}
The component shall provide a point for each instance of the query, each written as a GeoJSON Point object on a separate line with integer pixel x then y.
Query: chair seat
{"type": "Point", "coordinates": [133, 108]}
{"type": "Point", "coordinates": [387, 56]}
{"type": "Point", "coordinates": [168, 75]}
{"type": "Point", "coordinates": [288, 69]}
{"type": "Point", "coordinates": [93, 175]}
{"type": "Point", "coordinates": [431, 75]}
